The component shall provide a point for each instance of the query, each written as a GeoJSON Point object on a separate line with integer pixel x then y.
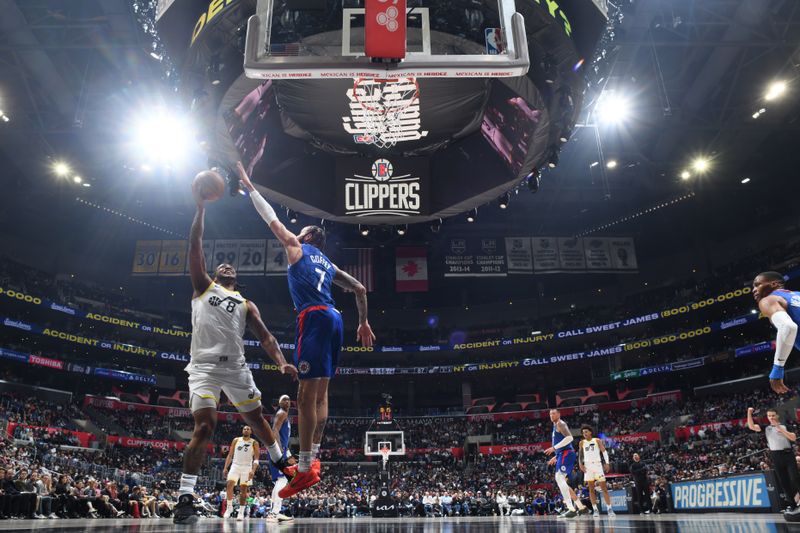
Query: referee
{"type": "Point", "coordinates": [779, 441]}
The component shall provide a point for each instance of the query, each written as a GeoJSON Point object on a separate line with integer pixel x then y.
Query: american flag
{"type": "Point", "coordinates": [358, 263]}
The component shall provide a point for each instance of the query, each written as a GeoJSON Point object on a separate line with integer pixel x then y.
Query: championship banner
{"type": "Point", "coordinates": [733, 493]}
{"type": "Point", "coordinates": [475, 257]}
{"type": "Point", "coordinates": [252, 256]}
{"type": "Point", "coordinates": [545, 255]}
{"type": "Point", "coordinates": [519, 255]}
{"type": "Point", "coordinates": [598, 254]}
{"type": "Point", "coordinates": [411, 269]}
{"type": "Point", "coordinates": [83, 437]}
{"type": "Point", "coordinates": [571, 256]}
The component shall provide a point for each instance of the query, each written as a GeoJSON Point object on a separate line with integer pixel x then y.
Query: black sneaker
{"type": "Point", "coordinates": [583, 510]}
{"type": "Point", "coordinates": [282, 465]}
{"type": "Point", "coordinates": [184, 511]}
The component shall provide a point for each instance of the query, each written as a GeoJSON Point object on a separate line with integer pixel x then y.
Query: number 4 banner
{"type": "Point", "coordinates": [276, 258]}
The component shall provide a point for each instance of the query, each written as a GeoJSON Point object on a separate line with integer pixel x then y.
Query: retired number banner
{"type": "Point", "coordinates": [475, 257]}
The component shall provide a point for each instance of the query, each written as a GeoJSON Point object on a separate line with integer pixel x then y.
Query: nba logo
{"type": "Point", "coordinates": [494, 41]}
{"type": "Point", "coordinates": [382, 170]}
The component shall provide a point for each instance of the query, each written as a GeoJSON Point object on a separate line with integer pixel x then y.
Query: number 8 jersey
{"type": "Point", "coordinates": [219, 317]}
{"type": "Point", "coordinates": [310, 279]}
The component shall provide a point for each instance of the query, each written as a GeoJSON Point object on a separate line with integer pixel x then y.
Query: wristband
{"type": "Point", "coordinates": [255, 463]}
{"type": "Point", "coordinates": [777, 372]}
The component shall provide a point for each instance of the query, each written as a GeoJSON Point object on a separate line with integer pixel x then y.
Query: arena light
{"type": "Point", "coordinates": [612, 108]}
{"type": "Point", "coordinates": [77, 179]}
{"type": "Point", "coordinates": [745, 180]}
{"type": "Point", "coordinates": [685, 175]}
{"type": "Point", "coordinates": [775, 90]}
{"type": "Point", "coordinates": [533, 181]}
{"type": "Point", "coordinates": [162, 137]}
{"type": "Point", "coordinates": [292, 216]}
{"type": "Point", "coordinates": [612, 163]}
{"type": "Point", "coordinates": [436, 225]}
{"type": "Point", "coordinates": [61, 169]}
{"type": "Point", "coordinates": [504, 200]}
{"type": "Point", "coordinates": [401, 230]}
{"type": "Point", "coordinates": [701, 164]}
{"type": "Point", "coordinates": [472, 215]}
{"type": "Point", "coordinates": [364, 230]}
{"type": "Point", "coordinates": [537, 332]}
{"type": "Point", "coordinates": [552, 162]}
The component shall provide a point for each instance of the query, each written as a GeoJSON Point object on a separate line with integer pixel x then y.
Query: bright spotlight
{"type": "Point", "coordinates": [612, 164]}
{"type": "Point", "coordinates": [612, 108]}
{"type": "Point", "coordinates": [745, 180]}
{"type": "Point", "coordinates": [77, 179]}
{"type": "Point", "coordinates": [701, 164]}
{"type": "Point", "coordinates": [364, 230]}
{"type": "Point", "coordinates": [775, 90]}
{"type": "Point", "coordinates": [61, 169]}
{"type": "Point", "coordinates": [685, 175]}
{"type": "Point", "coordinates": [163, 137]}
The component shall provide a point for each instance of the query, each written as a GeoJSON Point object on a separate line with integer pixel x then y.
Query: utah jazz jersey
{"type": "Point", "coordinates": [243, 453]}
{"type": "Point", "coordinates": [311, 278]}
{"type": "Point", "coordinates": [792, 299]}
{"type": "Point", "coordinates": [219, 317]}
{"type": "Point", "coordinates": [591, 451]}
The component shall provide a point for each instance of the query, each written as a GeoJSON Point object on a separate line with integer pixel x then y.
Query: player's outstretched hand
{"type": "Point", "coordinates": [243, 177]}
{"type": "Point", "coordinates": [364, 335]}
{"type": "Point", "coordinates": [778, 386]}
{"type": "Point", "coordinates": [550, 451]}
{"type": "Point", "coordinates": [552, 461]}
{"type": "Point", "coordinates": [289, 370]}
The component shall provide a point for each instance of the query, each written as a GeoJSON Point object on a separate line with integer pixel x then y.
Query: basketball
{"type": "Point", "coordinates": [208, 185]}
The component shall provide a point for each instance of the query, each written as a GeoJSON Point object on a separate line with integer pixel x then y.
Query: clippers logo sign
{"type": "Point", "coordinates": [387, 188]}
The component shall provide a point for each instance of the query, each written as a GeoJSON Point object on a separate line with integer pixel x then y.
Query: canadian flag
{"type": "Point", "coordinates": [411, 269]}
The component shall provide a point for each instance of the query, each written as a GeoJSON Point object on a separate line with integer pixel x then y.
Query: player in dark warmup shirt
{"type": "Point", "coordinates": [782, 307]}
{"type": "Point", "coordinates": [319, 331]}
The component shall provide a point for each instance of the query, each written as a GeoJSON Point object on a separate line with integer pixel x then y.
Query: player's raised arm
{"type": "Point", "coordinates": [772, 307]}
{"type": "Point", "coordinates": [197, 261]}
{"type": "Point", "coordinates": [750, 424]}
{"type": "Point", "coordinates": [364, 333]}
{"type": "Point", "coordinates": [288, 239]}
{"type": "Point", "coordinates": [268, 341]}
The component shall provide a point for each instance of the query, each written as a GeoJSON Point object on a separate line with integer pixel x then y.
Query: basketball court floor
{"type": "Point", "coordinates": [668, 523]}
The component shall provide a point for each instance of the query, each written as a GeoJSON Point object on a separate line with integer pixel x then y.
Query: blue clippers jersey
{"type": "Point", "coordinates": [558, 437]}
{"type": "Point", "coordinates": [311, 278]}
{"type": "Point", "coordinates": [284, 432]}
{"type": "Point", "coordinates": [792, 299]}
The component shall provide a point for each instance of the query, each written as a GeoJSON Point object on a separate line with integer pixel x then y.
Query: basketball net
{"type": "Point", "coordinates": [385, 456]}
{"type": "Point", "coordinates": [384, 104]}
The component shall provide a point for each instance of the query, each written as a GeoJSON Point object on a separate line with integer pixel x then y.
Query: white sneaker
{"type": "Point", "coordinates": [284, 518]}
{"type": "Point", "coordinates": [596, 513]}
{"type": "Point", "coordinates": [228, 511]}
{"type": "Point", "coordinates": [240, 515]}
{"type": "Point", "coordinates": [611, 513]}
{"type": "Point", "coordinates": [272, 518]}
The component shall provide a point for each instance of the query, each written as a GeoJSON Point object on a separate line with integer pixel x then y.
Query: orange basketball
{"type": "Point", "coordinates": [208, 185]}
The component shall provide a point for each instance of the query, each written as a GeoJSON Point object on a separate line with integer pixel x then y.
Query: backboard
{"type": "Point", "coordinates": [330, 38]}
{"type": "Point", "coordinates": [375, 440]}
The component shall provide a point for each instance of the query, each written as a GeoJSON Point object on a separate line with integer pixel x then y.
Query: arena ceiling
{"type": "Point", "coordinates": [696, 71]}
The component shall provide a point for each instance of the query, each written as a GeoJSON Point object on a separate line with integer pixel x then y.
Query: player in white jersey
{"type": "Point", "coordinates": [219, 316]}
{"type": "Point", "coordinates": [240, 467]}
{"type": "Point", "coordinates": [594, 468]}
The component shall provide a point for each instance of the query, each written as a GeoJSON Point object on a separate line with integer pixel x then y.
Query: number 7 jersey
{"type": "Point", "coordinates": [311, 278]}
